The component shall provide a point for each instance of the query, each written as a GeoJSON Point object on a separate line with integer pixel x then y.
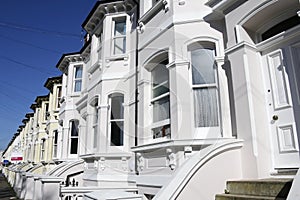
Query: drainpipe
{"type": "Point", "coordinates": [136, 85]}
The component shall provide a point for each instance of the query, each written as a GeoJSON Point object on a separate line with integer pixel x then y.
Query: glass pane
{"type": "Point", "coordinates": [160, 78]}
{"type": "Point", "coordinates": [160, 74]}
{"type": "Point", "coordinates": [95, 135]}
{"type": "Point", "coordinates": [164, 131]}
{"type": "Point", "coordinates": [117, 107]}
{"type": "Point", "coordinates": [206, 107]}
{"type": "Point", "coordinates": [74, 131]}
{"type": "Point", "coordinates": [55, 151]}
{"type": "Point", "coordinates": [55, 137]}
{"type": "Point", "coordinates": [117, 133]}
{"type": "Point", "coordinates": [120, 28]}
{"type": "Point", "coordinates": [203, 64]}
{"type": "Point", "coordinates": [161, 109]}
{"type": "Point", "coordinates": [74, 145]}
{"type": "Point", "coordinates": [77, 87]}
{"type": "Point", "coordinates": [160, 90]}
{"type": "Point", "coordinates": [120, 45]}
{"type": "Point", "coordinates": [78, 72]}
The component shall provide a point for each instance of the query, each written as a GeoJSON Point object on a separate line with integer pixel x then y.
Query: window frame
{"type": "Point", "coordinates": [95, 123]}
{"type": "Point", "coordinates": [122, 18]}
{"type": "Point", "coordinates": [211, 46]}
{"type": "Point", "coordinates": [43, 143]}
{"type": "Point", "coordinates": [74, 137]}
{"type": "Point", "coordinates": [58, 96]}
{"type": "Point", "coordinates": [120, 120]}
{"type": "Point", "coordinates": [46, 111]}
{"type": "Point", "coordinates": [77, 79]}
{"type": "Point", "coordinates": [165, 123]}
{"type": "Point", "coordinates": [55, 143]}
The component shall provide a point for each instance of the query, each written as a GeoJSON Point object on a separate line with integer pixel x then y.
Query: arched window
{"type": "Point", "coordinates": [161, 100]}
{"type": "Point", "coordinates": [204, 84]}
{"type": "Point", "coordinates": [116, 122]}
{"type": "Point", "coordinates": [74, 133]}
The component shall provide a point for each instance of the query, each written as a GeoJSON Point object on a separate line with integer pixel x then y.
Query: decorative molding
{"type": "Point", "coordinates": [101, 164]}
{"type": "Point", "coordinates": [96, 164]}
{"type": "Point", "coordinates": [178, 63]}
{"type": "Point", "coordinates": [124, 163]}
{"type": "Point", "coordinates": [141, 27]}
{"type": "Point", "coordinates": [171, 158]}
{"type": "Point", "coordinates": [94, 67]}
{"type": "Point", "coordinates": [140, 162]}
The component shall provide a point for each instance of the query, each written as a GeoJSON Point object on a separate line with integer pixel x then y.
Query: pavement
{"type": "Point", "coordinates": [6, 192]}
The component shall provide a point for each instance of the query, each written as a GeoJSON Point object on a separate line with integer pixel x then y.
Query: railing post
{"type": "Point", "coordinates": [51, 188]}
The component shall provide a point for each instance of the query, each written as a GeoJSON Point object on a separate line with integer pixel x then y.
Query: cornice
{"type": "Point", "coordinates": [66, 59]}
{"type": "Point", "coordinates": [52, 81]}
{"type": "Point", "coordinates": [40, 99]}
{"type": "Point", "coordinates": [101, 9]}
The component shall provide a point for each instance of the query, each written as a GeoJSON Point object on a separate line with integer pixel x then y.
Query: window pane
{"type": "Point", "coordinates": [161, 109]}
{"type": "Point", "coordinates": [77, 86]}
{"type": "Point", "coordinates": [55, 137]}
{"type": "Point", "coordinates": [74, 145]}
{"type": "Point", "coordinates": [162, 131]}
{"type": "Point", "coordinates": [55, 151]}
{"type": "Point", "coordinates": [74, 131]}
{"type": "Point", "coordinates": [159, 90]}
{"type": "Point", "coordinates": [160, 78]}
{"type": "Point", "coordinates": [203, 66]}
{"type": "Point", "coordinates": [58, 96]}
{"type": "Point", "coordinates": [117, 133]}
{"type": "Point", "coordinates": [120, 28]}
{"type": "Point", "coordinates": [95, 136]}
{"type": "Point", "coordinates": [117, 107]}
{"type": "Point", "coordinates": [206, 107]}
{"type": "Point", "coordinates": [78, 72]}
{"type": "Point", "coordinates": [160, 74]}
{"type": "Point", "coordinates": [120, 45]}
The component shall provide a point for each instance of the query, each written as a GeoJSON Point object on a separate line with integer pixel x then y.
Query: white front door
{"type": "Point", "coordinates": [283, 87]}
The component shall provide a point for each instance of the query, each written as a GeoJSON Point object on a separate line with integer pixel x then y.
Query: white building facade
{"type": "Point", "coordinates": [171, 99]}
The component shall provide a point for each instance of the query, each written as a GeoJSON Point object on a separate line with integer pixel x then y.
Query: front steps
{"type": "Point", "coordinates": [260, 189]}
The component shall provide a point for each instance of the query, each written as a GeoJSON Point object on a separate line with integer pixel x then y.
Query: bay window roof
{"type": "Point", "coordinates": [101, 8]}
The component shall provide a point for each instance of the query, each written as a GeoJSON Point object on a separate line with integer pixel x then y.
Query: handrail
{"type": "Point", "coordinates": [188, 169]}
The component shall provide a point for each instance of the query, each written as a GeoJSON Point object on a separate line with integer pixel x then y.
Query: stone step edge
{"type": "Point", "coordinates": [238, 196]}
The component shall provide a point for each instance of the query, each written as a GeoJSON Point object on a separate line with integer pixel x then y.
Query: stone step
{"type": "Point", "coordinates": [260, 187]}
{"type": "Point", "coordinates": [244, 197]}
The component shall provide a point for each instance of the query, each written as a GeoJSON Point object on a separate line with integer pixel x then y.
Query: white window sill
{"type": "Point", "coordinates": [117, 57]}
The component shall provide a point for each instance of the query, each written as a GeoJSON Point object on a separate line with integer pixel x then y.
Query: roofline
{"type": "Point", "coordinates": [65, 55]}
{"type": "Point", "coordinates": [95, 8]}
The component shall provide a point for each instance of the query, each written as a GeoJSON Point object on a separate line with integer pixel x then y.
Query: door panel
{"type": "Point", "coordinates": [283, 124]}
{"type": "Point", "coordinates": [278, 80]}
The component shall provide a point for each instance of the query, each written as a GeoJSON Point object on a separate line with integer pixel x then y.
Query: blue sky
{"type": "Point", "coordinates": [33, 36]}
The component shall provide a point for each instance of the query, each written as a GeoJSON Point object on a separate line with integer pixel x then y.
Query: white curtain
{"type": "Point", "coordinates": [206, 107]}
{"type": "Point", "coordinates": [161, 109]}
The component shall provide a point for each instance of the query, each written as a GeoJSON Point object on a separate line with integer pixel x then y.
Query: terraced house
{"type": "Point", "coordinates": [170, 100]}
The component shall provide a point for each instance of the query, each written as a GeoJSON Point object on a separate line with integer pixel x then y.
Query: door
{"type": "Point", "coordinates": [283, 98]}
